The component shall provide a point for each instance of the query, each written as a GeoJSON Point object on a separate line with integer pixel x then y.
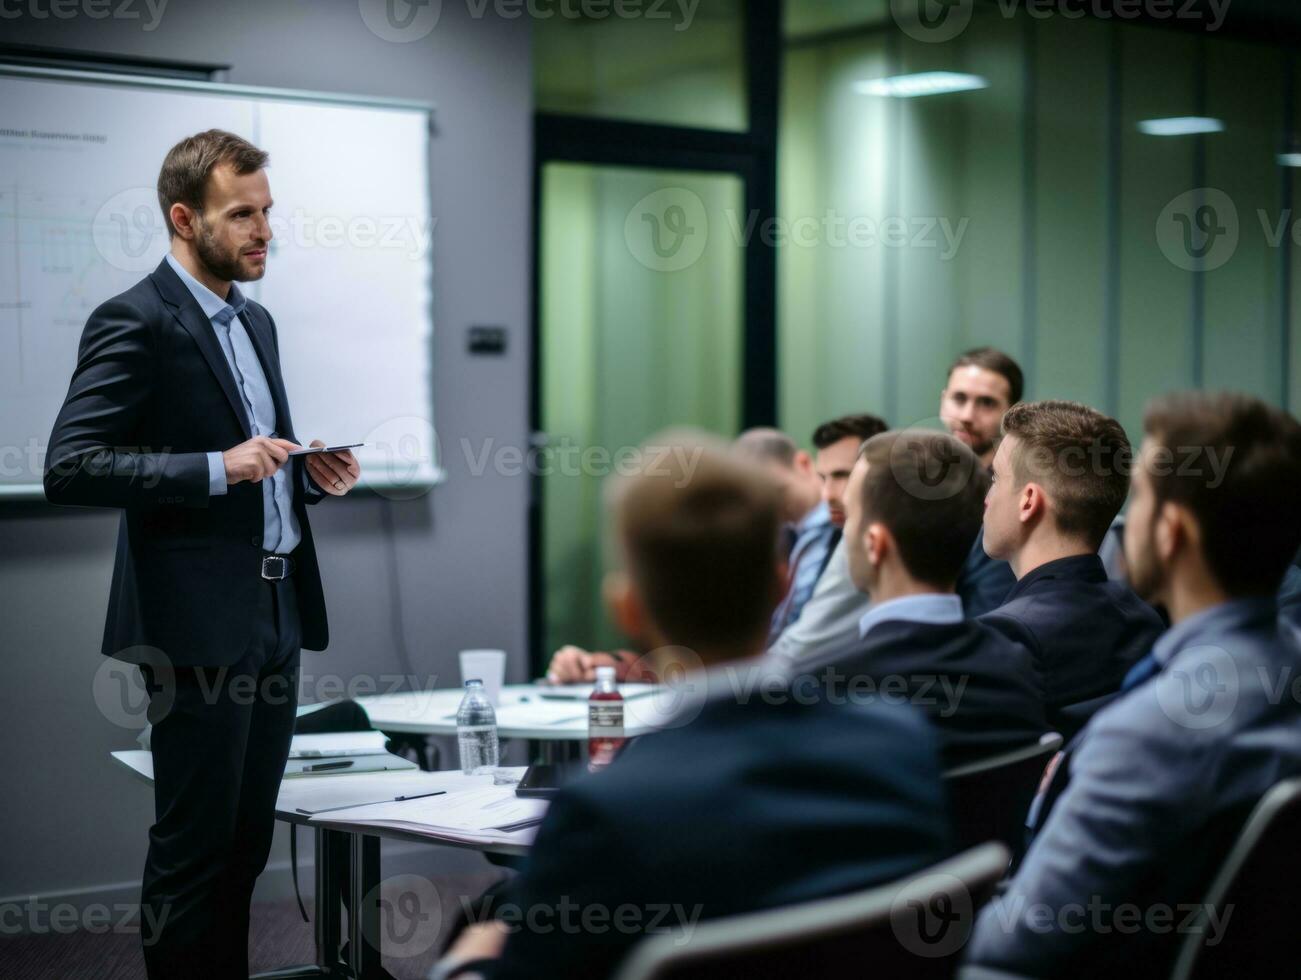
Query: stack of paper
{"type": "Point", "coordinates": [476, 813]}
{"type": "Point", "coordinates": [342, 753]}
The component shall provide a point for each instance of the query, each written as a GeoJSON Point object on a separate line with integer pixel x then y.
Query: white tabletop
{"type": "Point", "coordinates": [524, 712]}
{"type": "Point", "coordinates": [317, 792]}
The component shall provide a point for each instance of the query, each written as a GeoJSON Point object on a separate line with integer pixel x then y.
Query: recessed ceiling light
{"type": "Point", "coordinates": [1180, 126]}
{"type": "Point", "coordinates": [921, 83]}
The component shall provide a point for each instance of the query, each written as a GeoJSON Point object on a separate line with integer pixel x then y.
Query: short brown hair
{"type": "Point", "coordinates": [188, 165]}
{"type": "Point", "coordinates": [929, 490]}
{"type": "Point", "coordinates": [860, 427]}
{"type": "Point", "coordinates": [1249, 519]}
{"type": "Point", "coordinates": [699, 531]}
{"type": "Point", "coordinates": [1088, 492]}
{"type": "Point", "coordinates": [992, 359]}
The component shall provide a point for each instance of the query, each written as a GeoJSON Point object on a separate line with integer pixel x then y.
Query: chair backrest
{"type": "Point", "coordinates": [989, 799]}
{"type": "Point", "coordinates": [1253, 898]}
{"type": "Point", "coordinates": [915, 927]}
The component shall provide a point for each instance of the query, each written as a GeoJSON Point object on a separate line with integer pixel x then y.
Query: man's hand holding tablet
{"type": "Point", "coordinates": [332, 468]}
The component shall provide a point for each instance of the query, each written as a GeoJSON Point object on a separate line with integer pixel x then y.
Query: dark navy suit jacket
{"type": "Point", "coordinates": [1083, 631]}
{"type": "Point", "coordinates": [984, 582]}
{"type": "Point", "coordinates": [151, 395]}
{"type": "Point", "coordinates": [753, 804]}
{"type": "Point", "coordinates": [978, 687]}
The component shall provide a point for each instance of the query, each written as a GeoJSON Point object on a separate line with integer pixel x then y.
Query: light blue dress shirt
{"type": "Point", "coordinates": [938, 608]}
{"type": "Point", "coordinates": [1201, 739]}
{"type": "Point", "coordinates": [280, 531]}
{"type": "Point", "coordinates": [808, 557]}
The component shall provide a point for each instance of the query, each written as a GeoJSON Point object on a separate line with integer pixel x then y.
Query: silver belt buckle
{"type": "Point", "coordinates": [284, 567]}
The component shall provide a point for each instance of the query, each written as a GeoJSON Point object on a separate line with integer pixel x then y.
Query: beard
{"type": "Point", "coordinates": [1145, 575]}
{"type": "Point", "coordinates": [223, 263]}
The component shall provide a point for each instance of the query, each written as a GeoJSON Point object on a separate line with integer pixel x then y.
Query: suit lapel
{"type": "Point", "coordinates": [198, 326]}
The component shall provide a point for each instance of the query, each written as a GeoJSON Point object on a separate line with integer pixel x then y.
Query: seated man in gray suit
{"type": "Point", "coordinates": [1161, 779]}
{"type": "Point", "coordinates": [1061, 473]}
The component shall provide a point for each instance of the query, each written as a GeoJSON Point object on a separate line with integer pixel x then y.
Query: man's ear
{"type": "Point", "coordinates": [183, 219]}
{"type": "Point", "coordinates": [623, 605]}
{"type": "Point", "coordinates": [1176, 530]}
{"type": "Point", "coordinates": [1031, 502]}
{"type": "Point", "coordinates": [803, 462]}
{"type": "Point", "coordinates": [879, 543]}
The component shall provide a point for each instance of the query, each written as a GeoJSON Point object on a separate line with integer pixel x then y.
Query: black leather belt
{"type": "Point", "coordinates": [276, 567]}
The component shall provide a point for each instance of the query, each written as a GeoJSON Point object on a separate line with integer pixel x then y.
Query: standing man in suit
{"type": "Point", "coordinates": [1060, 476]}
{"type": "Point", "coordinates": [982, 384]}
{"type": "Point", "coordinates": [913, 507]}
{"type": "Point", "coordinates": [740, 803]}
{"type": "Point", "coordinates": [1160, 780]}
{"type": "Point", "coordinates": [177, 415]}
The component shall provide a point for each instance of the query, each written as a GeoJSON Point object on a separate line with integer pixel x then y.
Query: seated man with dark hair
{"type": "Point", "coordinates": [1060, 476]}
{"type": "Point", "coordinates": [1161, 779]}
{"type": "Point", "coordinates": [913, 508]}
{"type": "Point", "coordinates": [750, 798]}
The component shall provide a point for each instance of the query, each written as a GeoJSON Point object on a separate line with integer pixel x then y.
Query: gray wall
{"type": "Point", "coordinates": [72, 820]}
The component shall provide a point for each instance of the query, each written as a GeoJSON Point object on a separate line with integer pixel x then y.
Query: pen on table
{"type": "Point", "coordinates": [323, 766]}
{"type": "Point", "coordinates": [349, 806]}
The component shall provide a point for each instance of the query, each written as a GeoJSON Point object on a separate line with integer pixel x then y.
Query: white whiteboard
{"type": "Point", "coordinates": [348, 275]}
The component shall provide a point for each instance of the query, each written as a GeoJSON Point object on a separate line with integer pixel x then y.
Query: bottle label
{"type": "Point", "coordinates": [606, 717]}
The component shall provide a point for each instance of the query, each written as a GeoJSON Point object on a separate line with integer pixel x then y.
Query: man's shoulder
{"type": "Point", "coordinates": [141, 301]}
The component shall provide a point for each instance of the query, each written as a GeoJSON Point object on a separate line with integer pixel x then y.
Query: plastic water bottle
{"type": "Point", "coordinates": [476, 730]}
{"type": "Point", "coordinates": [604, 720]}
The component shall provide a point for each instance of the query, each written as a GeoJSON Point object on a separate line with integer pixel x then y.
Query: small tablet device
{"type": "Point", "coordinates": [543, 780]}
{"type": "Point", "coordinates": [311, 450]}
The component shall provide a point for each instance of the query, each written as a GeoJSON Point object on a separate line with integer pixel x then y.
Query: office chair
{"type": "Point", "coordinates": [1257, 889]}
{"type": "Point", "coordinates": [989, 799]}
{"type": "Point", "coordinates": [915, 927]}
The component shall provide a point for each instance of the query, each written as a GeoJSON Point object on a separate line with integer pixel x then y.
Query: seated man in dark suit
{"type": "Point", "coordinates": [913, 507]}
{"type": "Point", "coordinates": [1061, 474]}
{"type": "Point", "coordinates": [1161, 779]}
{"type": "Point", "coordinates": [750, 798]}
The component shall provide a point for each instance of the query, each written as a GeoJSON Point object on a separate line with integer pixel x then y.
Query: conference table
{"type": "Point", "coordinates": [544, 715]}
{"type": "Point", "coordinates": [347, 857]}
{"type": "Point", "coordinates": [347, 851]}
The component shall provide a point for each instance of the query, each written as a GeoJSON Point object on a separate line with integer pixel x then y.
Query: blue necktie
{"type": "Point", "coordinates": [1144, 670]}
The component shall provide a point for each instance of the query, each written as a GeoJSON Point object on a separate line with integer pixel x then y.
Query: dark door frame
{"type": "Point", "coordinates": [752, 155]}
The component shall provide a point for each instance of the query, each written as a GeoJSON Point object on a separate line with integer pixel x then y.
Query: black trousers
{"type": "Point", "coordinates": [220, 740]}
